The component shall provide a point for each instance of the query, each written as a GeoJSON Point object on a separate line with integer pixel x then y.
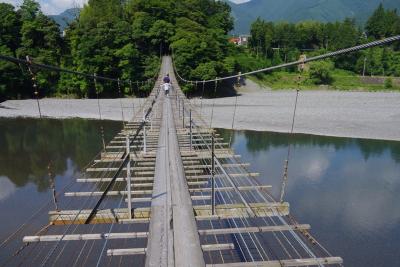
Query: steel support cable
{"type": "Point", "coordinates": [299, 62]}
{"type": "Point", "coordinates": [233, 120]}
{"type": "Point", "coordinates": [18, 251]}
{"type": "Point", "coordinates": [120, 101]}
{"type": "Point", "coordinates": [90, 164]}
{"type": "Point", "coordinates": [57, 69]}
{"type": "Point", "coordinates": [245, 221]}
{"type": "Point", "coordinates": [70, 225]}
{"type": "Point", "coordinates": [222, 200]}
{"type": "Point", "coordinates": [92, 200]}
{"type": "Point", "coordinates": [109, 231]}
{"type": "Point", "coordinates": [202, 194]}
{"type": "Point", "coordinates": [241, 236]}
{"type": "Point", "coordinates": [231, 197]}
{"type": "Point", "coordinates": [264, 219]}
{"type": "Point", "coordinates": [83, 248]}
{"type": "Point", "coordinates": [292, 246]}
{"type": "Point", "coordinates": [124, 161]}
{"type": "Point", "coordinates": [300, 243]}
{"type": "Point", "coordinates": [98, 106]}
{"type": "Point", "coordinates": [285, 171]}
{"type": "Point", "coordinates": [212, 110]}
{"type": "Point", "coordinates": [281, 231]}
{"type": "Point", "coordinates": [278, 242]}
{"type": "Point", "coordinates": [104, 172]}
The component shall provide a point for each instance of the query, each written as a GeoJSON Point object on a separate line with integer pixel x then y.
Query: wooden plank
{"type": "Point", "coordinates": [204, 155]}
{"type": "Point", "coordinates": [110, 169]}
{"type": "Point", "coordinates": [126, 252]}
{"type": "Point", "coordinates": [102, 216]}
{"type": "Point", "coordinates": [286, 263]}
{"type": "Point", "coordinates": [139, 199]}
{"type": "Point", "coordinates": [197, 183]}
{"type": "Point", "coordinates": [216, 247]}
{"type": "Point", "coordinates": [240, 210]}
{"type": "Point", "coordinates": [98, 180]}
{"type": "Point", "coordinates": [233, 175]}
{"type": "Point", "coordinates": [261, 229]}
{"type": "Point", "coordinates": [203, 166]}
{"type": "Point", "coordinates": [78, 237]}
{"type": "Point", "coordinates": [222, 189]}
{"type": "Point", "coordinates": [110, 193]}
{"type": "Point", "coordinates": [201, 197]}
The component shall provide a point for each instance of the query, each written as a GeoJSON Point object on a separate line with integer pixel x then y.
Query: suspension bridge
{"type": "Point", "coordinates": [168, 191]}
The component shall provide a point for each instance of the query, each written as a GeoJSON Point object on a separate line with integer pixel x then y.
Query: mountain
{"type": "Point", "coordinates": [66, 17]}
{"type": "Point", "coordinates": [297, 10]}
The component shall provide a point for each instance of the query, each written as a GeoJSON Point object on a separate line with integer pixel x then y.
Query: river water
{"type": "Point", "coordinates": [347, 189]}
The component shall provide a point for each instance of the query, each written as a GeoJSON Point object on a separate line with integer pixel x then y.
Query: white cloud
{"type": "Point", "coordinates": [52, 7]}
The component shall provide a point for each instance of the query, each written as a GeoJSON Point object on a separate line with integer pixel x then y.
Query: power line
{"type": "Point", "coordinates": [298, 62]}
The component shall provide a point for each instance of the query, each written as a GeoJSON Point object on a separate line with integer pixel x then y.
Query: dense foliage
{"type": "Point", "coordinates": [113, 38]}
{"type": "Point", "coordinates": [284, 42]}
{"type": "Point", "coordinates": [125, 39]}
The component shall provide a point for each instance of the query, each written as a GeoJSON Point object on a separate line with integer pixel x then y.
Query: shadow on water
{"type": "Point", "coordinates": [347, 189]}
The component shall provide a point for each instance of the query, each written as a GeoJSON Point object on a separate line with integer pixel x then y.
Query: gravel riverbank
{"type": "Point", "coordinates": [332, 113]}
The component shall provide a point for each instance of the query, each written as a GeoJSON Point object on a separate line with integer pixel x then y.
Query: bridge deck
{"type": "Point", "coordinates": [172, 223]}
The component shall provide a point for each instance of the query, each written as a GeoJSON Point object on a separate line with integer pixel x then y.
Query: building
{"type": "Point", "coordinates": [240, 40]}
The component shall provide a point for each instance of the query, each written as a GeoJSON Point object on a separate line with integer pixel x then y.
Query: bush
{"type": "Point", "coordinates": [388, 83]}
{"type": "Point", "coordinates": [321, 72]}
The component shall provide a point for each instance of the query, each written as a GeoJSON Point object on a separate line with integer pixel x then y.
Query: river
{"type": "Point", "coordinates": [347, 189]}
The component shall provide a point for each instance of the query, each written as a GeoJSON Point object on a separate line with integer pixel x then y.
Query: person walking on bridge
{"type": "Point", "coordinates": [166, 78]}
{"type": "Point", "coordinates": [167, 84]}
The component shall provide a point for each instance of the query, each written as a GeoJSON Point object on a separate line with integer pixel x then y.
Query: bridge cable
{"type": "Point", "coordinates": [120, 101]}
{"type": "Point", "coordinates": [215, 94]}
{"type": "Point", "coordinates": [34, 82]}
{"type": "Point", "coordinates": [233, 120]}
{"type": "Point", "coordinates": [302, 61]}
{"type": "Point", "coordinates": [285, 170]}
{"type": "Point", "coordinates": [57, 69]}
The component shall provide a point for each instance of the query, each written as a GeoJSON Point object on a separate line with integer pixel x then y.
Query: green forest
{"type": "Point", "coordinates": [113, 38]}
{"type": "Point", "coordinates": [273, 43]}
{"type": "Point", "coordinates": [125, 40]}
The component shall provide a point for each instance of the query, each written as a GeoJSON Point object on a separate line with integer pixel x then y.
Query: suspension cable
{"type": "Point", "coordinates": [302, 61]}
{"type": "Point", "coordinates": [34, 82]}
{"type": "Point", "coordinates": [285, 171]}
{"type": "Point", "coordinates": [57, 69]}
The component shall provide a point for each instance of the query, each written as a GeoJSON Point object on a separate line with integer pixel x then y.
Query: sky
{"type": "Point", "coordinates": [51, 7]}
{"type": "Point", "coordinates": [55, 7]}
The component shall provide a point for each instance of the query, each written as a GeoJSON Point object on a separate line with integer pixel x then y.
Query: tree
{"type": "Point", "coordinates": [320, 72]}
{"type": "Point", "coordinates": [11, 79]}
{"type": "Point", "coordinates": [41, 40]}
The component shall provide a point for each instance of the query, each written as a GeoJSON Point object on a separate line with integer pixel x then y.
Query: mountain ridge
{"type": "Point", "coordinates": [64, 18]}
{"type": "Point", "coordinates": [299, 10]}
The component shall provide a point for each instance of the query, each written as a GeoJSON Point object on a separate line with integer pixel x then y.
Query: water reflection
{"type": "Point", "coordinates": [7, 188]}
{"type": "Point", "coordinates": [347, 189]}
{"type": "Point", "coordinates": [28, 147]}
